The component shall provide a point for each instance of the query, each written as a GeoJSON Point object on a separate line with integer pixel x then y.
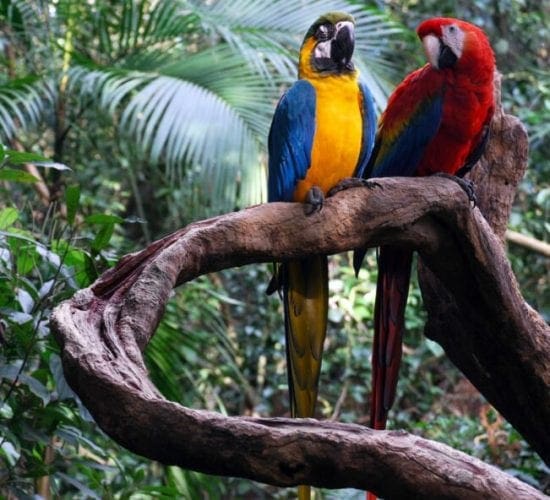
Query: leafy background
{"type": "Point", "coordinates": [161, 110]}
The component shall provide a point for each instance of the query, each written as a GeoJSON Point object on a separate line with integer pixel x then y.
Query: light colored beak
{"type": "Point", "coordinates": [347, 24]}
{"type": "Point", "coordinates": [432, 47]}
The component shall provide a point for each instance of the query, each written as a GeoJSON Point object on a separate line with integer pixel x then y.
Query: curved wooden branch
{"type": "Point", "coordinates": [475, 311]}
{"type": "Point", "coordinates": [103, 330]}
{"type": "Point", "coordinates": [497, 340]}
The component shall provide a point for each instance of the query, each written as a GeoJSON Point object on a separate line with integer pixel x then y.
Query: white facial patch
{"type": "Point", "coordinates": [432, 47]}
{"type": "Point", "coordinates": [453, 37]}
{"type": "Point", "coordinates": [322, 50]}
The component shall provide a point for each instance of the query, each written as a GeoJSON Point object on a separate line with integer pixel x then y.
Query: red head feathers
{"type": "Point", "coordinates": [451, 43]}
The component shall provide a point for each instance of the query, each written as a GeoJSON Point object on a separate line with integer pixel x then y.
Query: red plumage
{"type": "Point", "coordinates": [468, 103]}
{"type": "Point", "coordinates": [436, 120]}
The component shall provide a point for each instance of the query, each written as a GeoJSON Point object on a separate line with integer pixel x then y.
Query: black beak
{"type": "Point", "coordinates": [342, 46]}
{"type": "Point", "coordinates": [447, 58]}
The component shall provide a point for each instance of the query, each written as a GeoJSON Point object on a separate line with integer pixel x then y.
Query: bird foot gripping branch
{"type": "Point", "coordinates": [353, 182]}
{"type": "Point", "coordinates": [314, 201]}
{"type": "Point", "coordinates": [467, 185]}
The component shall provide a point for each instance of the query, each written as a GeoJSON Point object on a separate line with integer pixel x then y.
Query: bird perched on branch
{"type": "Point", "coordinates": [322, 132]}
{"type": "Point", "coordinates": [436, 121]}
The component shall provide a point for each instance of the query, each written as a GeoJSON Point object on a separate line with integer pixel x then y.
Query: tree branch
{"type": "Point", "coordinates": [104, 328]}
{"type": "Point", "coordinates": [525, 241]}
{"type": "Point", "coordinates": [475, 311]}
{"type": "Point", "coordinates": [485, 327]}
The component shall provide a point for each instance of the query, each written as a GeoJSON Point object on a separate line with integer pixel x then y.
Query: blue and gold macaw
{"type": "Point", "coordinates": [322, 132]}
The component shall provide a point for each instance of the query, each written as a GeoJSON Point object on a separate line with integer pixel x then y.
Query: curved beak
{"type": "Point", "coordinates": [447, 58]}
{"type": "Point", "coordinates": [439, 55]}
{"type": "Point", "coordinates": [343, 43]}
{"type": "Point", "coordinates": [432, 47]}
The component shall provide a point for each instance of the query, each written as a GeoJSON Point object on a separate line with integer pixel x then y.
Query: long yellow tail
{"type": "Point", "coordinates": [304, 492]}
{"type": "Point", "coordinates": [306, 311]}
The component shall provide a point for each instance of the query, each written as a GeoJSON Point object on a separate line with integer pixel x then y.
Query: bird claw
{"type": "Point", "coordinates": [352, 182]}
{"type": "Point", "coordinates": [314, 200]}
{"type": "Point", "coordinates": [467, 186]}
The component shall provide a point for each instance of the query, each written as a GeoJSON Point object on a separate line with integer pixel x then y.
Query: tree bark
{"type": "Point", "coordinates": [475, 311]}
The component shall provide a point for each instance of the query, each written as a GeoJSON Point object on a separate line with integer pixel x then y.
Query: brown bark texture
{"type": "Point", "coordinates": [475, 311]}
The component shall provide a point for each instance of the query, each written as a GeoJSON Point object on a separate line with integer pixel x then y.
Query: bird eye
{"type": "Point", "coordinates": [323, 32]}
{"type": "Point", "coordinates": [452, 28]}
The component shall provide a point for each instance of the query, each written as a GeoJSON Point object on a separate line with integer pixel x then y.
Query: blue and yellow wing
{"type": "Point", "coordinates": [305, 281]}
{"type": "Point", "coordinates": [290, 140]}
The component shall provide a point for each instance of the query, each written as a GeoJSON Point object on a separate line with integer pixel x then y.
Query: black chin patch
{"type": "Point", "coordinates": [327, 65]}
{"type": "Point", "coordinates": [447, 58]}
{"type": "Point", "coordinates": [324, 64]}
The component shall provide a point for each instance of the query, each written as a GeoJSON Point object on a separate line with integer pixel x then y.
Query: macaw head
{"type": "Point", "coordinates": [451, 43]}
{"type": "Point", "coordinates": [328, 46]}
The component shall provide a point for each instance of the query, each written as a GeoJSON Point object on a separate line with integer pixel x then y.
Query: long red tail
{"type": "Point", "coordinates": [394, 272]}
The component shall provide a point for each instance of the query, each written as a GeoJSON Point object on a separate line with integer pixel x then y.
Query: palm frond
{"type": "Point", "coordinates": [19, 14]}
{"type": "Point", "coordinates": [132, 25]}
{"type": "Point", "coordinates": [226, 74]}
{"type": "Point", "coordinates": [273, 30]}
{"type": "Point", "coordinates": [186, 123]}
{"type": "Point", "coordinates": [208, 109]}
{"type": "Point", "coordinates": [108, 87]}
{"type": "Point", "coordinates": [23, 104]}
{"type": "Point", "coordinates": [204, 98]}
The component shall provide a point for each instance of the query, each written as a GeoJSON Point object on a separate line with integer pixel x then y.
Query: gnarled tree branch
{"type": "Point", "coordinates": [501, 344]}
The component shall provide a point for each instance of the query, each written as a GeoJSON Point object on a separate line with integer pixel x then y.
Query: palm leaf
{"type": "Point", "coordinates": [22, 16]}
{"type": "Point", "coordinates": [23, 104]}
{"type": "Point", "coordinates": [132, 25]}
{"type": "Point", "coordinates": [194, 83]}
{"type": "Point", "coordinates": [275, 30]}
{"type": "Point", "coordinates": [208, 110]}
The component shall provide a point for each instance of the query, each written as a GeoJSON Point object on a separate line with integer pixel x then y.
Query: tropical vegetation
{"type": "Point", "coordinates": [123, 121]}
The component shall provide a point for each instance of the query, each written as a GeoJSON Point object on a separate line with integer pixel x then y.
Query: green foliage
{"type": "Point", "coordinates": [40, 264]}
{"type": "Point", "coordinates": [189, 85]}
{"type": "Point", "coordinates": [161, 109]}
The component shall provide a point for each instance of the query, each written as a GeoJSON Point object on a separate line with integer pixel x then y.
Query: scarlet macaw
{"type": "Point", "coordinates": [436, 121]}
{"type": "Point", "coordinates": [322, 132]}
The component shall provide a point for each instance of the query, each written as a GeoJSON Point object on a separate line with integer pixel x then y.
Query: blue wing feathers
{"type": "Point", "coordinates": [290, 140]}
{"type": "Point", "coordinates": [404, 155]}
{"type": "Point", "coordinates": [369, 129]}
